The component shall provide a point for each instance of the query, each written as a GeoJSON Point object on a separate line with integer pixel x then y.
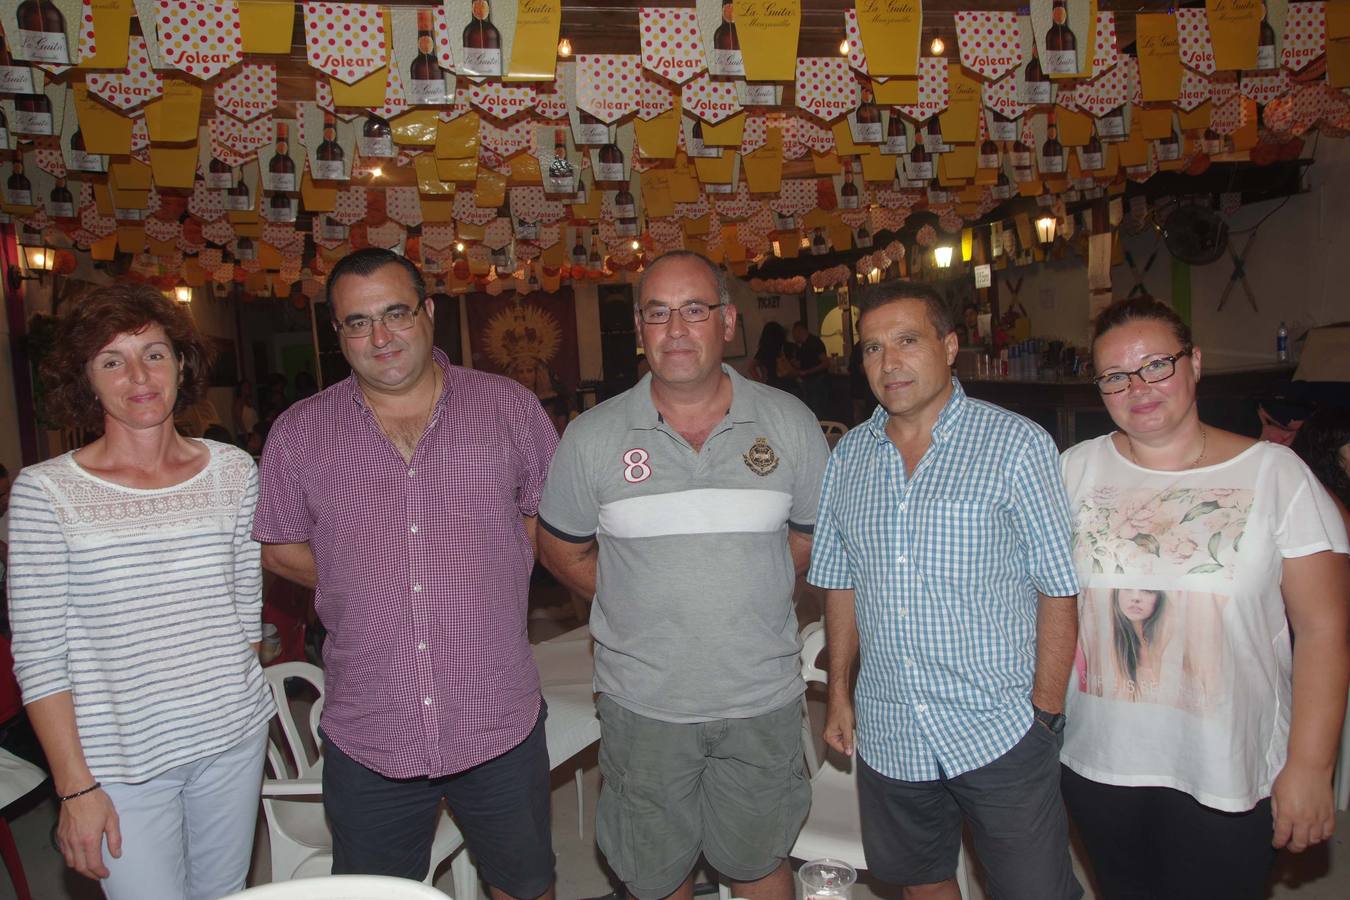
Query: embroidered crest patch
{"type": "Point", "coordinates": [760, 458]}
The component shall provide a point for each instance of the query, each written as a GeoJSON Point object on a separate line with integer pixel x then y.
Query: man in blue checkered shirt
{"type": "Point", "coordinates": [942, 542]}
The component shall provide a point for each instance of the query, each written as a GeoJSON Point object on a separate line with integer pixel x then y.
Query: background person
{"type": "Point", "coordinates": [1243, 539]}
{"type": "Point", "coordinates": [135, 598]}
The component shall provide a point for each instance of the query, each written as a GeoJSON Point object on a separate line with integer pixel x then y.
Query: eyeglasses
{"type": "Point", "coordinates": [693, 311]}
{"type": "Point", "coordinates": [1153, 372]}
{"type": "Point", "coordinates": [400, 318]}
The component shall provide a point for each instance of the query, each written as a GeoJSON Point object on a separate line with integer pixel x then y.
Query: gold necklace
{"type": "Point", "coordinates": [435, 395]}
{"type": "Point", "coordinates": [1204, 435]}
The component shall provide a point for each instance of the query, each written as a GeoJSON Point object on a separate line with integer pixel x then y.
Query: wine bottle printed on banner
{"type": "Point", "coordinates": [244, 251]}
{"type": "Point", "coordinates": [1052, 151]}
{"type": "Point", "coordinates": [13, 79]}
{"type": "Point", "coordinates": [919, 165]}
{"type": "Point", "coordinates": [819, 246]}
{"type": "Point", "coordinates": [896, 142]}
{"type": "Point", "coordinates": [609, 162]}
{"type": "Point", "coordinates": [33, 114]}
{"type": "Point", "coordinates": [1001, 128]}
{"type": "Point", "coordinates": [579, 250]}
{"type": "Point", "coordinates": [60, 203]}
{"type": "Point", "coordinates": [1036, 88]}
{"type": "Point", "coordinates": [697, 147]}
{"type": "Point", "coordinates": [426, 82]}
{"type": "Point", "coordinates": [866, 123]}
{"type": "Point", "coordinates": [590, 130]}
{"type": "Point", "coordinates": [1003, 188]}
{"type": "Point", "coordinates": [1111, 127]}
{"type": "Point", "coordinates": [848, 193]}
{"type": "Point", "coordinates": [376, 138]}
{"type": "Point", "coordinates": [329, 160]}
{"type": "Point", "coordinates": [218, 174]}
{"type": "Point", "coordinates": [482, 43]}
{"type": "Point", "coordinates": [281, 208]}
{"type": "Point", "coordinates": [988, 155]}
{"type": "Point", "coordinates": [562, 177]}
{"type": "Point", "coordinates": [1090, 157]}
{"type": "Point", "coordinates": [1265, 47]}
{"type": "Point", "coordinates": [932, 137]}
{"type": "Point", "coordinates": [1168, 149]}
{"type": "Point", "coordinates": [1061, 45]}
{"type": "Point", "coordinates": [726, 53]}
{"type": "Point", "coordinates": [80, 159]}
{"type": "Point", "coordinates": [625, 206]}
{"type": "Point", "coordinates": [18, 189]}
{"type": "Point", "coordinates": [237, 197]}
{"type": "Point", "coordinates": [42, 33]}
{"type": "Point", "coordinates": [862, 239]}
{"type": "Point", "coordinates": [281, 168]}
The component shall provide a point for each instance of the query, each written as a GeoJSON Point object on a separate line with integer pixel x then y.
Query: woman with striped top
{"type": "Point", "coordinates": [135, 599]}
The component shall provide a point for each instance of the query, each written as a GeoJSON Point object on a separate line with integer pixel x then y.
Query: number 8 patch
{"type": "Point", "coordinates": [635, 468]}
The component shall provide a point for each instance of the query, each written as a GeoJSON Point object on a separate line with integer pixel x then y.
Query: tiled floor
{"type": "Point", "coordinates": [1320, 874]}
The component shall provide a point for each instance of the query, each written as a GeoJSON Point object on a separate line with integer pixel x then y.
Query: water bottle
{"type": "Point", "coordinates": [827, 879]}
{"type": "Point", "coordinates": [1282, 344]}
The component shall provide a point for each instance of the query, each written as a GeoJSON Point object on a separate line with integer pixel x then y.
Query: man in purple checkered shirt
{"type": "Point", "coordinates": [406, 495]}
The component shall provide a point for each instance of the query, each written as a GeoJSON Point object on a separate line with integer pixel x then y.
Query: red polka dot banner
{"type": "Point", "coordinates": [1265, 87]}
{"type": "Point", "coordinates": [350, 207]}
{"type": "Point", "coordinates": [345, 40]}
{"type": "Point", "coordinates": [608, 84]}
{"type": "Point", "coordinates": [712, 101]}
{"type": "Point", "coordinates": [501, 100]}
{"type": "Point", "coordinates": [233, 143]}
{"type": "Point", "coordinates": [1195, 90]}
{"type": "Point", "coordinates": [654, 97]}
{"type": "Point", "coordinates": [206, 204]}
{"type": "Point", "coordinates": [1105, 53]}
{"type": "Point", "coordinates": [933, 95]}
{"type": "Point", "coordinates": [506, 139]}
{"type": "Point", "coordinates": [252, 92]}
{"type": "Point", "coordinates": [1228, 116]}
{"type": "Point", "coordinates": [549, 101]}
{"type": "Point", "coordinates": [51, 161]}
{"type": "Point", "coordinates": [990, 42]}
{"type": "Point", "coordinates": [1105, 92]}
{"type": "Point", "coordinates": [857, 57]}
{"type": "Point", "coordinates": [670, 42]}
{"type": "Point", "coordinates": [201, 39]}
{"type": "Point", "coordinates": [1004, 97]}
{"type": "Point", "coordinates": [1305, 35]}
{"type": "Point", "coordinates": [1194, 45]}
{"type": "Point", "coordinates": [826, 88]}
{"type": "Point", "coordinates": [403, 206]}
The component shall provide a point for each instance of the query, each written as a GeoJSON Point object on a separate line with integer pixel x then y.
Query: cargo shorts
{"type": "Point", "coordinates": [733, 790]}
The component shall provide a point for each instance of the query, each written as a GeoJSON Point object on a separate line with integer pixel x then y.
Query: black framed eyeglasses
{"type": "Point", "coordinates": [400, 318]}
{"type": "Point", "coordinates": [1152, 372]}
{"type": "Point", "coordinates": [693, 311]}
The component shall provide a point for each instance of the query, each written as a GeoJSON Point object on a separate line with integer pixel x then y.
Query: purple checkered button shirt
{"type": "Point", "coordinates": [424, 567]}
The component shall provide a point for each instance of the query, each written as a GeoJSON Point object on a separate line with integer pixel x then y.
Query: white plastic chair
{"type": "Point", "coordinates": [832, 826]}
{"type": "Point", "coordinates": [302, 847]}
{"type": "Point", "coordinates": [833, 430]}
{"type": "Point", "coordinates": [342, 887]}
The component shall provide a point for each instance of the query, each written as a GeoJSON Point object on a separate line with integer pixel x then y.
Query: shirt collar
{"type": "Point", "coordinates": [437, 356]}
{"type": "Point", "coordinates": [642, 412]}
{"type": "Point", "coordinates": [946, 420]}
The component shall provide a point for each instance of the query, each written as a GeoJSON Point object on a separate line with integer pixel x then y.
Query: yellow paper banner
{"type": "Point", "coordinates": [1154, 124]}
{"type": "Point", "coordinates": [173, 167]}
{"type": "Point", "coordinates": [890, 35]}
{"type": "Point", "coordinates": [1338, 19]}
{"type": "Point", "coordinates": [368, 93]}
{"type": "Point", "coordinates": [659, 137]}
{"type": "Point", "coordinates": [896, 92]}
{"type": "Point", "coordinates": [1159, 64]}
{"type": "Point", "coordinates": [104, 131]}
{"type": "Point", "coordinates": [416, 129]}
{"type": "Point", "coordinates": [960, 121]}
{"type": "Point", "coordinates": [534, 52]}
{"type": "Point", "coordinates": [172, 119]}
{"type": "Point", "coordinates": [490, 190]}
{"type": "Point", "coordinates": [1234, 29]}
{"type": "Point", "coordinates": [767, 32]}
{"type": "Point", "coordinates": [112, 26]}
{"type": "Point", "coordinates": [763, 168]}
{"type": "Point", "coordinates": [317, 199]}
{"type": "Point", "coordinates": [265, 26]}
{"type": "Point", "coordinates": [656, 193]}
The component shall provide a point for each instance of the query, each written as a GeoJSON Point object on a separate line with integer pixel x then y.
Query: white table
{"type": "Point", "coordinates": [566, 668]}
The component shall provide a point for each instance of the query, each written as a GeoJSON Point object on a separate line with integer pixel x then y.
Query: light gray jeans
{"type": "Point", "coordinates": [188, 833]}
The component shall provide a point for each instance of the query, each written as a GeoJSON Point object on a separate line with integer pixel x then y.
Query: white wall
{"type": "Point", "coordinates": [1298, 269]}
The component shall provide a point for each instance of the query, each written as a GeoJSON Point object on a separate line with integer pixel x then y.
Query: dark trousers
{"type": "Point", "coordinates": [1154, 843]}
{"type": "Point", "coordinates": [385, 826]}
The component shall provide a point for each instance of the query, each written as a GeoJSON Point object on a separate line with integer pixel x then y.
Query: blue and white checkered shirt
{"type": "Point", "coordinates": [946, 566]}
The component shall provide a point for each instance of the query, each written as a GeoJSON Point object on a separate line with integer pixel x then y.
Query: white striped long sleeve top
{"type": "Point", "coordinates": [142, 603]}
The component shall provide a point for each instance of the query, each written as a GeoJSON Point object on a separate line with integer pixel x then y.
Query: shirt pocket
{"type": "Point", "coordinates": [953, 542]}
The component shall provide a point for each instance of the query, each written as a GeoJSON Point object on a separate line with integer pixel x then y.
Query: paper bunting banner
{"type": "Point", "coordinates": [233, 143]}
{"type": "Point", "coordinates": [499, 100]}
{"type": "Point", "coordinates": [1223, 86]}
{"type": "Point", "coordinates": [135, 85]}
{"type": "Point", "coordinates": [1105, 92]}
{"type": "Point", "coordinates": [1195, 90]}
{"type": "Point", "coordinates": [403, 205]}
{"type": "Point", "coordinates": [281, 235]}
{"type": "Point", "coordinates": [654, 98]}
{"type": "Point", "coordinates": [507, 140]}
{"type": "Point", "coordinates": [201, 39]}
{"type": "Point", "coordinates": [803, 135]}
{"type": "Point", "coordinates": [1263, 87]}
{"type": "Point", "coordinates": [1305, 35]}
{"type": "Point", "coordinates": [990, 42]}
{"type": "Point", "coordinates": [159, 230]}
{"type": "Point", "coordinates": [712, 101]}
{"type": "Point", "coordinates": [755, 133]}
{"type": "Point", "coordinates": [1193, 41]}
{"type": "Point", "coordinates": [188, 246]}
{"type": "Point", "coordinates": [1105, 54]}
{"type": "Point", "coordinates": [445, 53]}
{"type": "Point", "coordinates": [498, 234]}
{"type": "Point", "coordinates": [530, 204]}
{"type": "Point", "coordinates": [1227, 116]}
{"type": "Point", "coordinates": [437, 236]}
{"type": "Point", "coordinates": [550, 102]}
{"type": "Point", "coordinates": [932, 89]}
{"type": "Point", "coordinates": [96, 224]}
{"type": "Point", "coordinates": [796, 197]}
{"type": "Point", "coordinates": [1067, 96]}
{"type": "Point", "coordinates": [350, 207]}
{"type": "Point", "coordinates": [857, 57]}
{"type": "Point", "coordinates": [252, 92]}
{"type": "Point", "coordinates": [1004, 97]}
{"type": "Point", "coordinates": [826, 88]}
{"type": "Point", "coordinates": [51, 161]}
{"type": "Point", "coordinates": [738, 206]}
{"type": "Point", "coordinates": [395, 100]}
{"type": "Point", "coordinates": [206, 203]}
{"type": "Point", "coordinates": [696, 210]}
{"type": "Point", "coordinates": [465, 210]}
{"type": "Point", "coordinates": [670, 42]}
{"type": "Point", "coordinates": [345, 40]}
{"type": "Point", "coordinates": [608, 84]}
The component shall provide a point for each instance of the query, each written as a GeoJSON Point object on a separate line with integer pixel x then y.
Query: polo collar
{"type": "Point", "coordinates": [643, 415]}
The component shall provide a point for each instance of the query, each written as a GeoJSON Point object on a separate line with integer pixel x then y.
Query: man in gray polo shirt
{"type": "Point", "coordinates": [685, 506]}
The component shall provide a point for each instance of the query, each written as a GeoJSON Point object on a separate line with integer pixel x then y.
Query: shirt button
{"type": "Point", "coordinates": [412, 472]}
{"type": "Point", "coordinates": [921, 708]}
{"type": "Point", "coordinates": [417, 588]}
{"type": "Point", "coordinates": [413, 529]}
{"type": "Point", "coordinates": [421, 645]}
{"type": "Point", "coordinates": [902, 613]}
{"type": "Point", "coordinates": [426, 701]}
{"type": "Point", "coordinates": [909, 661]}
{"type": "Point", "coordinates": [902, 560]}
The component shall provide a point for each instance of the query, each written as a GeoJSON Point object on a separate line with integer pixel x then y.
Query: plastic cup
{"type": "Point", "coordinates": [827, 878]}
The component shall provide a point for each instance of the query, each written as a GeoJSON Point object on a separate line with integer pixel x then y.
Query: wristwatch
{"type": "Point", "coordinates": [1053, 721]}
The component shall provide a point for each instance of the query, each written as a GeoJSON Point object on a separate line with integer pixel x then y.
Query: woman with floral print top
{"type": "Point", "coordinates": [1200, 736]}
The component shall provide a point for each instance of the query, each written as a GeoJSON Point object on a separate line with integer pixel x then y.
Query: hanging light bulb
{"type": "Point", "coordinates": [564, 48]}
{"type": "Point", "coordinates": [843, 47]}
{"type": "Point", "coordinates": [937, 46]}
